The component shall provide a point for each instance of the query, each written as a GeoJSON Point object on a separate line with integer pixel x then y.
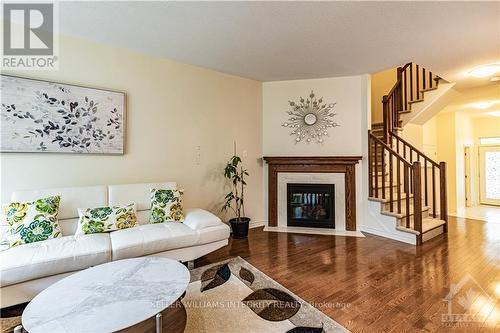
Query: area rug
{"type": "Point", "coordinates": [233, 296]}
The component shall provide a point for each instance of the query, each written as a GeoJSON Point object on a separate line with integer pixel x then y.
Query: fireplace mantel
{"type": "Point", "coordinates": [326, 164]}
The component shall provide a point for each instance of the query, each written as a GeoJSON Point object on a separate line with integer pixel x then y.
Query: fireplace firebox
{"type": "Point", "coordinates": [311, 205]}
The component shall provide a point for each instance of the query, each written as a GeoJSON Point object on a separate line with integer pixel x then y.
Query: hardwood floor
{"type": "Point", "coordinates": [374, 284]}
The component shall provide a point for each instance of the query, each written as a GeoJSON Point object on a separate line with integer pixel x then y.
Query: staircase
{"type": "Point", "coordinates": [410, 186]}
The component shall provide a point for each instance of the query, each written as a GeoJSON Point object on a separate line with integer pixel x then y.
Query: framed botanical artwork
{"type": "Point", "coordinates": [44, 116]}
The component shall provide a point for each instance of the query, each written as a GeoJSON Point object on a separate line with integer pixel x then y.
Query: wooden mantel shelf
{"type": "Point", "coordinates": [312, 159]}
{"type": "Point", "coordinates": [306, 164]}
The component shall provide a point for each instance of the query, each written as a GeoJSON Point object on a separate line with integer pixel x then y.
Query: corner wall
{"type": "Point", "coordinates": [172, 109]}
{"type": "Point", "coordinates": [381, 84]}
{"type": "Point", "coordinates": [352, 97]}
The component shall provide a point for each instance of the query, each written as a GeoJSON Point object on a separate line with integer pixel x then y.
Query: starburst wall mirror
{"type": "Point", "coordinates": [310, 119]}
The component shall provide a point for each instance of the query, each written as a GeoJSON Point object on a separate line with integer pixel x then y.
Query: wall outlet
{"type": "Point", "coordinates": [197, 158]}
{"type": "Point", "coordinates": [245, 154]}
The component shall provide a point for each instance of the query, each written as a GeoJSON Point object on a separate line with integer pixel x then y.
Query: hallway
{"type": "Point", "coordinates": [483, 213]}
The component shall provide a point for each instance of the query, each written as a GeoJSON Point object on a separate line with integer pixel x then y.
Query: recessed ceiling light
{"type": "Point", "coordinates": [485, 70]}
{"type": "Point", "coordinates": [495, 79]}
{"type": "Point", "coordinates": [483, 104]}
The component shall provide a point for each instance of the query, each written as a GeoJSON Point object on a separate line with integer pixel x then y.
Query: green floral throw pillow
{"type": "Point", "coordinates": [166, 206]}
{"type": "Point", "coordinates": [32, 221]}
{"type": "Point", "coordinates": [105, 219]}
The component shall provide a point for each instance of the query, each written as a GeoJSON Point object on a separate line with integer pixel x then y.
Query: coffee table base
{"type": "Point", "coordinates": [171, 320]}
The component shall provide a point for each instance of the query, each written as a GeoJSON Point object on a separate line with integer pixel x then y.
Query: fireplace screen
{"type": "Point", "coordinates": [311, 205]}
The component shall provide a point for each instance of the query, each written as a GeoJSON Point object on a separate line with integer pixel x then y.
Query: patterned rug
{"type": "Point", "coordinates": [233, 296]}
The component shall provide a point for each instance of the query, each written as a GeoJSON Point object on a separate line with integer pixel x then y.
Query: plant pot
{"type": "Point", "coordinates": [240, 227]}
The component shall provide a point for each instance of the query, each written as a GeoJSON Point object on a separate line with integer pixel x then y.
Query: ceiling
{"type": "Point", "coordinates": [481, 102]}
{"type": "Point", "coordinates": [271, 41]}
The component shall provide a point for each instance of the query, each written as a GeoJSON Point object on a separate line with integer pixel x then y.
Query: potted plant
{"type": "Point", "coordinates": [234, 200]}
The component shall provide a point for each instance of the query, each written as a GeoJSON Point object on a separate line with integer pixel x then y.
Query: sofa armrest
{"type": "Point", "coordinates": [198, 219]}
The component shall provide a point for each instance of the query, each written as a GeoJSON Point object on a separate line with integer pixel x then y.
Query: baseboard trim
{"type": "Point", "coordinates": [315, 231]}
{"type": "Point", "coordinates": [410, 239]}
{"type": "Point", "coordinates": [257, 224]}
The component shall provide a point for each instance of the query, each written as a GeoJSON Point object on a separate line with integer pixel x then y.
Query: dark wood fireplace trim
{"type": "Point", "coordinates": [306, 164]}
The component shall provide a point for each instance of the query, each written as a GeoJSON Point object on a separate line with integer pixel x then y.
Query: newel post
{"type": "Point", "coordinates": [387, 120]}
{"type": "Point", "coordinates": [443, 202]}
{"type": "Point", "coordinates": [400, 88]}
{"type": "Point", "coordinates": [417, 200]}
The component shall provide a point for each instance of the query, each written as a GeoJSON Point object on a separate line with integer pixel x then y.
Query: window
{"type": "Point", "coordinates": [489, 141]}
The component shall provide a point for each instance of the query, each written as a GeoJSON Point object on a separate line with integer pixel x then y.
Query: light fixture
{"type": "Point", "coordinates": [495, 114]}
{"type": "Point", "coordinates": [482, 105]}
{"type": "Point", "coordinates": [485, 70]}
{"type": "Point", "coordinates": [495, 79]}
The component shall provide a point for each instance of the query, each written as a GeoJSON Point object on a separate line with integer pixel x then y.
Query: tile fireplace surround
{"type": "Point", "coordinates": [338, 170]}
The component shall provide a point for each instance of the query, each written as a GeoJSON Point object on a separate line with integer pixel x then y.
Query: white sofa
{"type": "Point", "coordinates": [26, 270]}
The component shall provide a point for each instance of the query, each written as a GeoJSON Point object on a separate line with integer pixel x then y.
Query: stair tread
{"type": "Point", "coordinates": [387, 198]}
{"type": "Point", "coordinates": [431, 223]}
{"type": "Point", "coordinates": [427, 225]}
{"type": "Point", "coordinates": [403, 211]}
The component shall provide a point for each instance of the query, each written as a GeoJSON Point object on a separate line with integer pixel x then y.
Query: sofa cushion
{"type": "Point", "coordinates": [72, 198]}
{"type": "Point", "coordinates": [197, 218]}
{"type": "Point", "coordinates": [138, 193]}
{"type": "Point", "coordinates": [53, 256]}
{"type": "Point", "coordinates": [213, 234]}
{"type": "Point", "coordinates": [150, 239]}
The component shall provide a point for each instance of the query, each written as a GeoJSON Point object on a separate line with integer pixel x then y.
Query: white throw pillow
{"type": "Point", "coordinates": [197, 219]}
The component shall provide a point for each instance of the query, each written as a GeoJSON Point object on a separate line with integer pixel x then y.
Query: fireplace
{"type": "Point", "coordinates": [311, 205]}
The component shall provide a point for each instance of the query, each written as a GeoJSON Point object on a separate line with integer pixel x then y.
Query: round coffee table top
{"type": "Point", "coordinates": [107, 297]}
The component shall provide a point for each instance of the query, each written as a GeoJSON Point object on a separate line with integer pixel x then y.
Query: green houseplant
{"type": "Point", "coordinates": [234, 200]}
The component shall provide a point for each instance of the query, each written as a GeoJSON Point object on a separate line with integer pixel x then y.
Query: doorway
{"type": "Point", "coordinates": [489, 175]}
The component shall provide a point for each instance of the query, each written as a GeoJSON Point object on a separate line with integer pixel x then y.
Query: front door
{"type": "Point", "coordinates": [489, 175]}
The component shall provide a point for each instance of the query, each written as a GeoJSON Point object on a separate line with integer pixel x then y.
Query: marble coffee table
{"type": "Point", "coordinates": [131, 295]}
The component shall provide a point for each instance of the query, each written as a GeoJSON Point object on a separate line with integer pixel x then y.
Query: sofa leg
{"type": "Point", "coordinates": [190, 264]}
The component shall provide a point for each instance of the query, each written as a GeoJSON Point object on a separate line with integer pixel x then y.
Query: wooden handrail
{"type": "Point", "coordinates": [396, 154]}
{"type": "Point", "coordinates": [413, 148]}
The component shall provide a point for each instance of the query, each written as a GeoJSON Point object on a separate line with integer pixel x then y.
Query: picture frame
{"type": "Point", "coordinates": [53, 117]}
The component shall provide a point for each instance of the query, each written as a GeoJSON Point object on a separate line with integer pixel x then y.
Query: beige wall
{"type": "Point", "coordinates": [172, 109]}
{"type": "Point", "coordinates": [381, 84]}
{"type": "Point", "coordinates": [429, 138]}
{"type": "Point", "coordinates": [446, 151]}
{"type": "Point", "coordinates": [486, 127]}
{"type": "Point", "coordinates": [464, 137]}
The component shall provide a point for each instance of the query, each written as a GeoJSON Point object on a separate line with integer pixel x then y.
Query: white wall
{"type": "Point", "coordinates": [172, 109]}
{"type": "Point", "coordinates": [352, 97]}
